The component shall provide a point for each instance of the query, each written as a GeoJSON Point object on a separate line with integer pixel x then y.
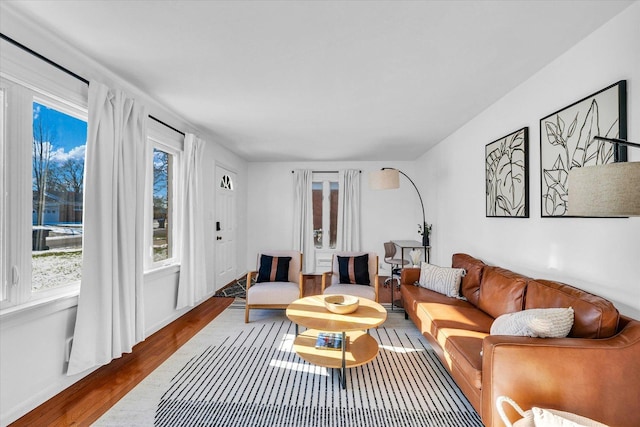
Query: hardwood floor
{"type": "Point", "coordinates": [85, 401]}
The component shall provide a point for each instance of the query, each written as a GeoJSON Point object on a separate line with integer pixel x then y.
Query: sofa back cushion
{"type": "Point", "coordinates": [594, 316]}
{"type": "Point", "coordinates": [501, 291]}
{"type": "Point", "coordinates": [470, 286]}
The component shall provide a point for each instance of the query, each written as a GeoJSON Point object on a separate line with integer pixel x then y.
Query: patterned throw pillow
{"type": "Point", "coordinates": [441, 279]}
{"type": "Point", "coordinates": [535, 322]}
{"type": "Point", "coordinates": [354, 269]}
{"type": "Point", "coordinates": [273, 269]}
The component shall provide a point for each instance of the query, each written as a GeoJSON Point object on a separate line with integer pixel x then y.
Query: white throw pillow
{"type": "Point", "coordinates": [441, 279]}
{"type": "Point", "coordinates": [536, 322]}
{"type": "Point", "coordinates": [545, 418]}
{"type": "Point", "coordinates": [540, 417]}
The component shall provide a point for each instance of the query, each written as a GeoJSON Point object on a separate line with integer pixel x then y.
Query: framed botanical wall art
{"type": "Point", "coordinates": [566, 142]}
{"type": "Point", "coordinates": [507, 175]}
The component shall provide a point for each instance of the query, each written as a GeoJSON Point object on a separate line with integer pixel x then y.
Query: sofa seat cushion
{"type": "Point", "coordinates": [459, 330]}
{"type": "Point", "coordinates": [594, 316]}
{"type": "Point", "coordinates": [273, 293]}
{"type": "Point", "coordinates": [502, 291]}
{"type": "Point", "coordinates": [412, 295]}
{"type": "Point", "coordinates": [463, 350]}
{"type": "Point", "coordinates": [456, 317]}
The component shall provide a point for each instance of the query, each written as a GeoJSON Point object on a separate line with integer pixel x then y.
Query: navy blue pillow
{"type": "Point", "coordinates": [354, 269]}
{"type": "Point", "coordinates": [273, 269]}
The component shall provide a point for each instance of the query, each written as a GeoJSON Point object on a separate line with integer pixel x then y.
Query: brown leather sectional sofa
{"type": "Point", "coordinates": [594, 372]}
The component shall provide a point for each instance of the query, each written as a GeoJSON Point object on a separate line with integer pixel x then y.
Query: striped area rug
{"type": "Point", "coordinates": [254, 378]}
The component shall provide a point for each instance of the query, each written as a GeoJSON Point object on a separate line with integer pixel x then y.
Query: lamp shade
{"type": "Point", "coordinates": [384, 179]}
{"type": "Point", "coordinates": [605, 191]}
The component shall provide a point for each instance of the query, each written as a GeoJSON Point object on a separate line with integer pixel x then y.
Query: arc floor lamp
{"type": "Point", "coordinates": [611, 190]}
{"type": "Point", "coordinates": [389, 179]}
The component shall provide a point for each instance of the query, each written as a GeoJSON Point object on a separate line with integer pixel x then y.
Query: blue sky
{"type": "Point", "coordinates": [70, 134]}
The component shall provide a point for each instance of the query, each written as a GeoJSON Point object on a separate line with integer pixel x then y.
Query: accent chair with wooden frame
{"type": "Point", "coordinates": [278, 281]}
{"type": "Point", "coordinates": [347, 271]}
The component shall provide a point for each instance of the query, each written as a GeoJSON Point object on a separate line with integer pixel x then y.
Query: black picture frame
{"type": "Point", "coordinates": [566, 142]}
{"type": "Point", "coordinates": [507, 176]}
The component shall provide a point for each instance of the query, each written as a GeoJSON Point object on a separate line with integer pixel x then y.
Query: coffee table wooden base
{"type": "Point", "coordinates": [360, 348]}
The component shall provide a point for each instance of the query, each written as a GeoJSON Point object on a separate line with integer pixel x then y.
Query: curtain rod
{"type": "Point", "coordinates": [69, 72]}
{"type": "Point", "coordinates": [325, 171]}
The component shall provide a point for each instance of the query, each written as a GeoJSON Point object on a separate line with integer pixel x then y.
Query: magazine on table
{"type": "Point", "coordinates": [329, 340]}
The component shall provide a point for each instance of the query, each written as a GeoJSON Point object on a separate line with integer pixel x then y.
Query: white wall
{"type": "Point", "coordinates": [598, 255]}
{"type": "Point", "coordinates": [386, 215]}
{"type": "Point", "coordinates": [32, 350]}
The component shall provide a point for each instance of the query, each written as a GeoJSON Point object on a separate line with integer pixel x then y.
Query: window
{"type": "Point", "coordinates": [58, 148]}
{"type": "Point", "coordinates": [162, 205]}
{"type": "Point", "coordinates": [43, 144]}
{"type": "Point", "coordinates": [163, 219]}
{"type": "Point", "coordinates": [226, 182]}
{"type": "Point", "coordinates": [325, 210]}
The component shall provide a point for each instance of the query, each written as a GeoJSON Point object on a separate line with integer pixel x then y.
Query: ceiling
{"type": "Point", "coordinates": [324, 80]}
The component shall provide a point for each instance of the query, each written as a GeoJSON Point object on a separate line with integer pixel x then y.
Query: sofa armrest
{"type": "Point", "coordinates": [301, 284]}
{"type": "Point", "coordinates": [250, 276]}
{"type": "Point", "coordinates": [409, 275]}
{"type": "Point", "coordinates": [326, 280]}
{"type": "Point", "coordinates": [595, 378]}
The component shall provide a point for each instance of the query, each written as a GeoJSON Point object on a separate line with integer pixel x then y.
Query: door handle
{"type": "Point", "coordinates": [15, 275]}
{"type": "Point", "coordinates": [218, 238]}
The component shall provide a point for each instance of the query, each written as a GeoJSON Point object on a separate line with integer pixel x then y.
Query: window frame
{"type": "Point", "coordinates": [80, 114]}
{"type": "Point", "coordinates": [172, 143]}
{"type": "Point", "coordinates": [326, 179]}
{"type": "Point", "coordinates": [4, 282]}
{"type": "Point", "coordinates": [19, 97]}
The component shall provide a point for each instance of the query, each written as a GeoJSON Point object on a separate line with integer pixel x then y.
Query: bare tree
{"type": "Point", "coordinates": [160, 186]}
{"type": "Point", "coordinates": [43, 139]}
{"type": "Point", "coordinates": [69, 175]}
{"type": "Point", "coordinates": [66, 181]}
{"type": "Point", "coordinates": [43, 143]}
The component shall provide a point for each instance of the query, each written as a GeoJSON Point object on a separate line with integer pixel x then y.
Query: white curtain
{"type": "Point", "coordinates": [348, 210]}
{"type": "Point", "coordinates": [192, 285]}
{"type": "Point", "coordinates": [110, 316]}
{"type": "Point", "coordinates": [303, 218]}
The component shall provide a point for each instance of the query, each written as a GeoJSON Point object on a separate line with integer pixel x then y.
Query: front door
{"type": "Point", "coordinates": [225, 227]}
